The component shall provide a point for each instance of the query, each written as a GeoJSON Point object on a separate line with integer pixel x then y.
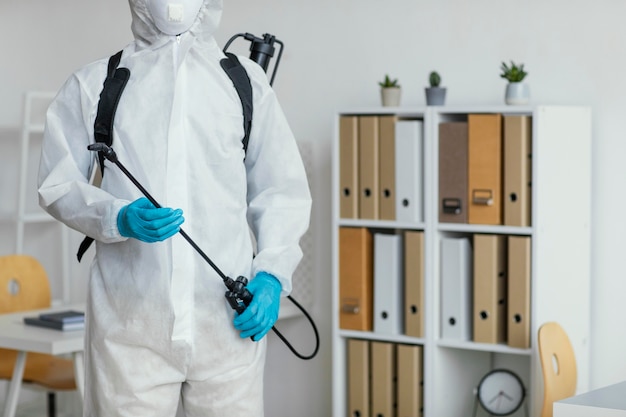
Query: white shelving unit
{"type": "Point", "coordinates": [560, 259]}
{"type": "Point", "coordinates": [37, 233]}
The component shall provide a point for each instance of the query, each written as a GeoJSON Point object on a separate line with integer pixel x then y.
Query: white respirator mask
{"type": "Point", "coordinates": [174, 17]}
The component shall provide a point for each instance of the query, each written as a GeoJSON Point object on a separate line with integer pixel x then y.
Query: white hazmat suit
{"type": "Point", "coordinates": [158, 325]}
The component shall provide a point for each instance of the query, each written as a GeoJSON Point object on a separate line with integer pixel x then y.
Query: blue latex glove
{"type": "Point", "coordinates": [262, 313]}
{"type": "Point", "coordinates": [141, 220]}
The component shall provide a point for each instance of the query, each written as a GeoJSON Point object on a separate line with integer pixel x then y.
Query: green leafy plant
{"type": "Point", "coordinates": [389, 83]}
{"type": "Point", "coordinates": [434, 79]}
{"type": "Point", "coordinates": [514, 73]}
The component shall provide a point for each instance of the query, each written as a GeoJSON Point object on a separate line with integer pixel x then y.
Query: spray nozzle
{"type": "Point", "coordinates": [104, 150]}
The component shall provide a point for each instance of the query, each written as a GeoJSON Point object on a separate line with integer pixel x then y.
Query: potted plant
{"type": "Point", "coordinates": [435, 95]}
{"type": "Point", "coordinates": [517, 92]}
{"type": "Point", "coordinates": [390, 92]}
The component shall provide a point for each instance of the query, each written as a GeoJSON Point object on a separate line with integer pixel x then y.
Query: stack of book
{"type": "Point", "coordinates": [59, 320]}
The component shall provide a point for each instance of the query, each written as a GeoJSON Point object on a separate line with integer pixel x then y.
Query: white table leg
{"type": "Point", "coordinates": [79, 373]}
{"type": "Point", "coordinates": [16, 384]}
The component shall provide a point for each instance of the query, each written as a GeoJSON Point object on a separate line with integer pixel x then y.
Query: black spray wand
{"type": "Point", "coordinates": [110, 154]}
{"type": "Point", "coordinates": [237, 295]}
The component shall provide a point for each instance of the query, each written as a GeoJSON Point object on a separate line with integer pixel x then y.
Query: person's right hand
{"type": "Point", "coordinates": [141, 220]}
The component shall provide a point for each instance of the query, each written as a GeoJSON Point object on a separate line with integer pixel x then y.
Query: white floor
{"type": "Point", "coordinates": [33, 404]}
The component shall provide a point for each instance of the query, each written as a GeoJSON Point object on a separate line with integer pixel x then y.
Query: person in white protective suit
{"type": "Point", "coordinates": [159, 328]}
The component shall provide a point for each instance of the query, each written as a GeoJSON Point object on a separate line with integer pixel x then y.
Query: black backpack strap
{"type": "Point", "coordinates": [109, 99]}
{"type": "Point", "coordinates": [84, 245]}
{"type": "Point", "coordinates": [241, 81]}
{"type": "Point", "coordinates": [103, 126]}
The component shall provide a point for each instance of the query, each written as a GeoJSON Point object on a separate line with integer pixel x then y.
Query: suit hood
{"type": "Point", "coordinates": [146, 32]}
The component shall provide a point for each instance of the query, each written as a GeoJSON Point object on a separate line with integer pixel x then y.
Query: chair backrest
{"type": "Point", "coordinates": [23, 284]}
{"type": "Point", "coordinates": [558, 365]}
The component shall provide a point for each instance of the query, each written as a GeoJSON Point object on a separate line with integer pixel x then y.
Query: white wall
{"type": "Point", "coordinates": [336, 52]}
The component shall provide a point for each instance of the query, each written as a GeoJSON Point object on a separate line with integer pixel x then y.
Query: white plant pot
{"type": "Point", "coordinates": [517, 93]}
{"type": "Point", "coordinates": [391, 96]}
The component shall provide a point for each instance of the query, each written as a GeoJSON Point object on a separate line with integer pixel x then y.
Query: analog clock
{"type": "Point", "coordinates": [501, 392]}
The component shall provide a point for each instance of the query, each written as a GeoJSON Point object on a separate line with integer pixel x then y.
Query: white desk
{"type": "Point", "coordinates": [604, 402]}
{"type": "Point", "coordinates": [14, 334]}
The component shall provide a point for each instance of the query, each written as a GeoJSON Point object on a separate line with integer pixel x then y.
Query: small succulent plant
{"type": "Point", "coordinates": [514, 73]}
{"type": "Point", "coordinates": [389, 83]}
{"type": "Point", "coordinates": [434, 79]}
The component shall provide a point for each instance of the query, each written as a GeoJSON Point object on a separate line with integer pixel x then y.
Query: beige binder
{"type": "Point", "coordinates": [355, 278]}
{"type": "Point", "coordinates": [489, 288]}
{"type": "Point", "coordinates": [368, 167]}
{"type": "Point", "coordinates": [387, 168]}
{"type": "Point", "coordinates": [348, 167]}
{"type": "Point", "coordinates": [383, 391]}
{"type": "Point", "coordinates": [517, 170]}
{"type": "Point", "coordinates": [358, 377]}
{"type": "Point", "coordinates": [518, 326]}
{"type": "Point", "coordinates": [485, 168]}
{"type": "Point", "coordinates": [453, 148]}
{"type": "Point", "coordinates": [414, 283]}
{"type": "Point", "coordinates": [410, 375]}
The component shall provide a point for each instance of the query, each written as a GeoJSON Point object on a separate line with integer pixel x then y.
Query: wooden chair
{"type": "Point", "coordinates": [558, 365]}
{"type": "Point", "coordinates": [24, 286]}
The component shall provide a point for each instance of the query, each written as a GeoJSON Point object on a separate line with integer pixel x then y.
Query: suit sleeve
{"type": "Point", "coordinates": [279, 199]}
{"type": "Point", "coordinates": [66, 164]}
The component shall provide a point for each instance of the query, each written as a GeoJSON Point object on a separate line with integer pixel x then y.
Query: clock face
{"type": "Point", "coordinates": [501, 392]}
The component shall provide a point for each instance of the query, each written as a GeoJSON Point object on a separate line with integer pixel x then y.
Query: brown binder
{"type": "Point", "coordinates": [358, 377]}
{"type": "Point", "coordinates": [485, 168]}
{"type": "Point", "coordinates": [410, 375]}
{"type": "Point", "coordinates": [355, 278]}
{"type": "Point", "coordinates": [383, 391]}
{"type": "Point", "coordinates": [368, 167]}
{"type": "Point", "coordinates": [518, 327]}
{"type": "Point", "coordinates": [387, 168]}
{"type": "Point", "coordinates": [517, 170]}
{"type": "Point", "coordinates": [489, 288]}
{"type": "Point", "coordinates": [414, 283]}
{"type": "Point", "coordinates": [453, 149]}
{"type": "Point", "coordinates": [348, 167]}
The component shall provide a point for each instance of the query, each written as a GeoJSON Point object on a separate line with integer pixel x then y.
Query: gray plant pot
{"type": "Point", "coordinates": [435, 96]}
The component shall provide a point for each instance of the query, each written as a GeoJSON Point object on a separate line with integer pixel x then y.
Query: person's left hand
{"type": "Point", "coordinates": [259, 317]}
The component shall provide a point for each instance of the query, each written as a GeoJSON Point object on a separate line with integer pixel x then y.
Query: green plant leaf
{"type": "Point", "coordinates": [513, 73]}
{"type": "Point", "coordinates": [434, 79]}
{"type": "Point", "coordinates": [389, 83]}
